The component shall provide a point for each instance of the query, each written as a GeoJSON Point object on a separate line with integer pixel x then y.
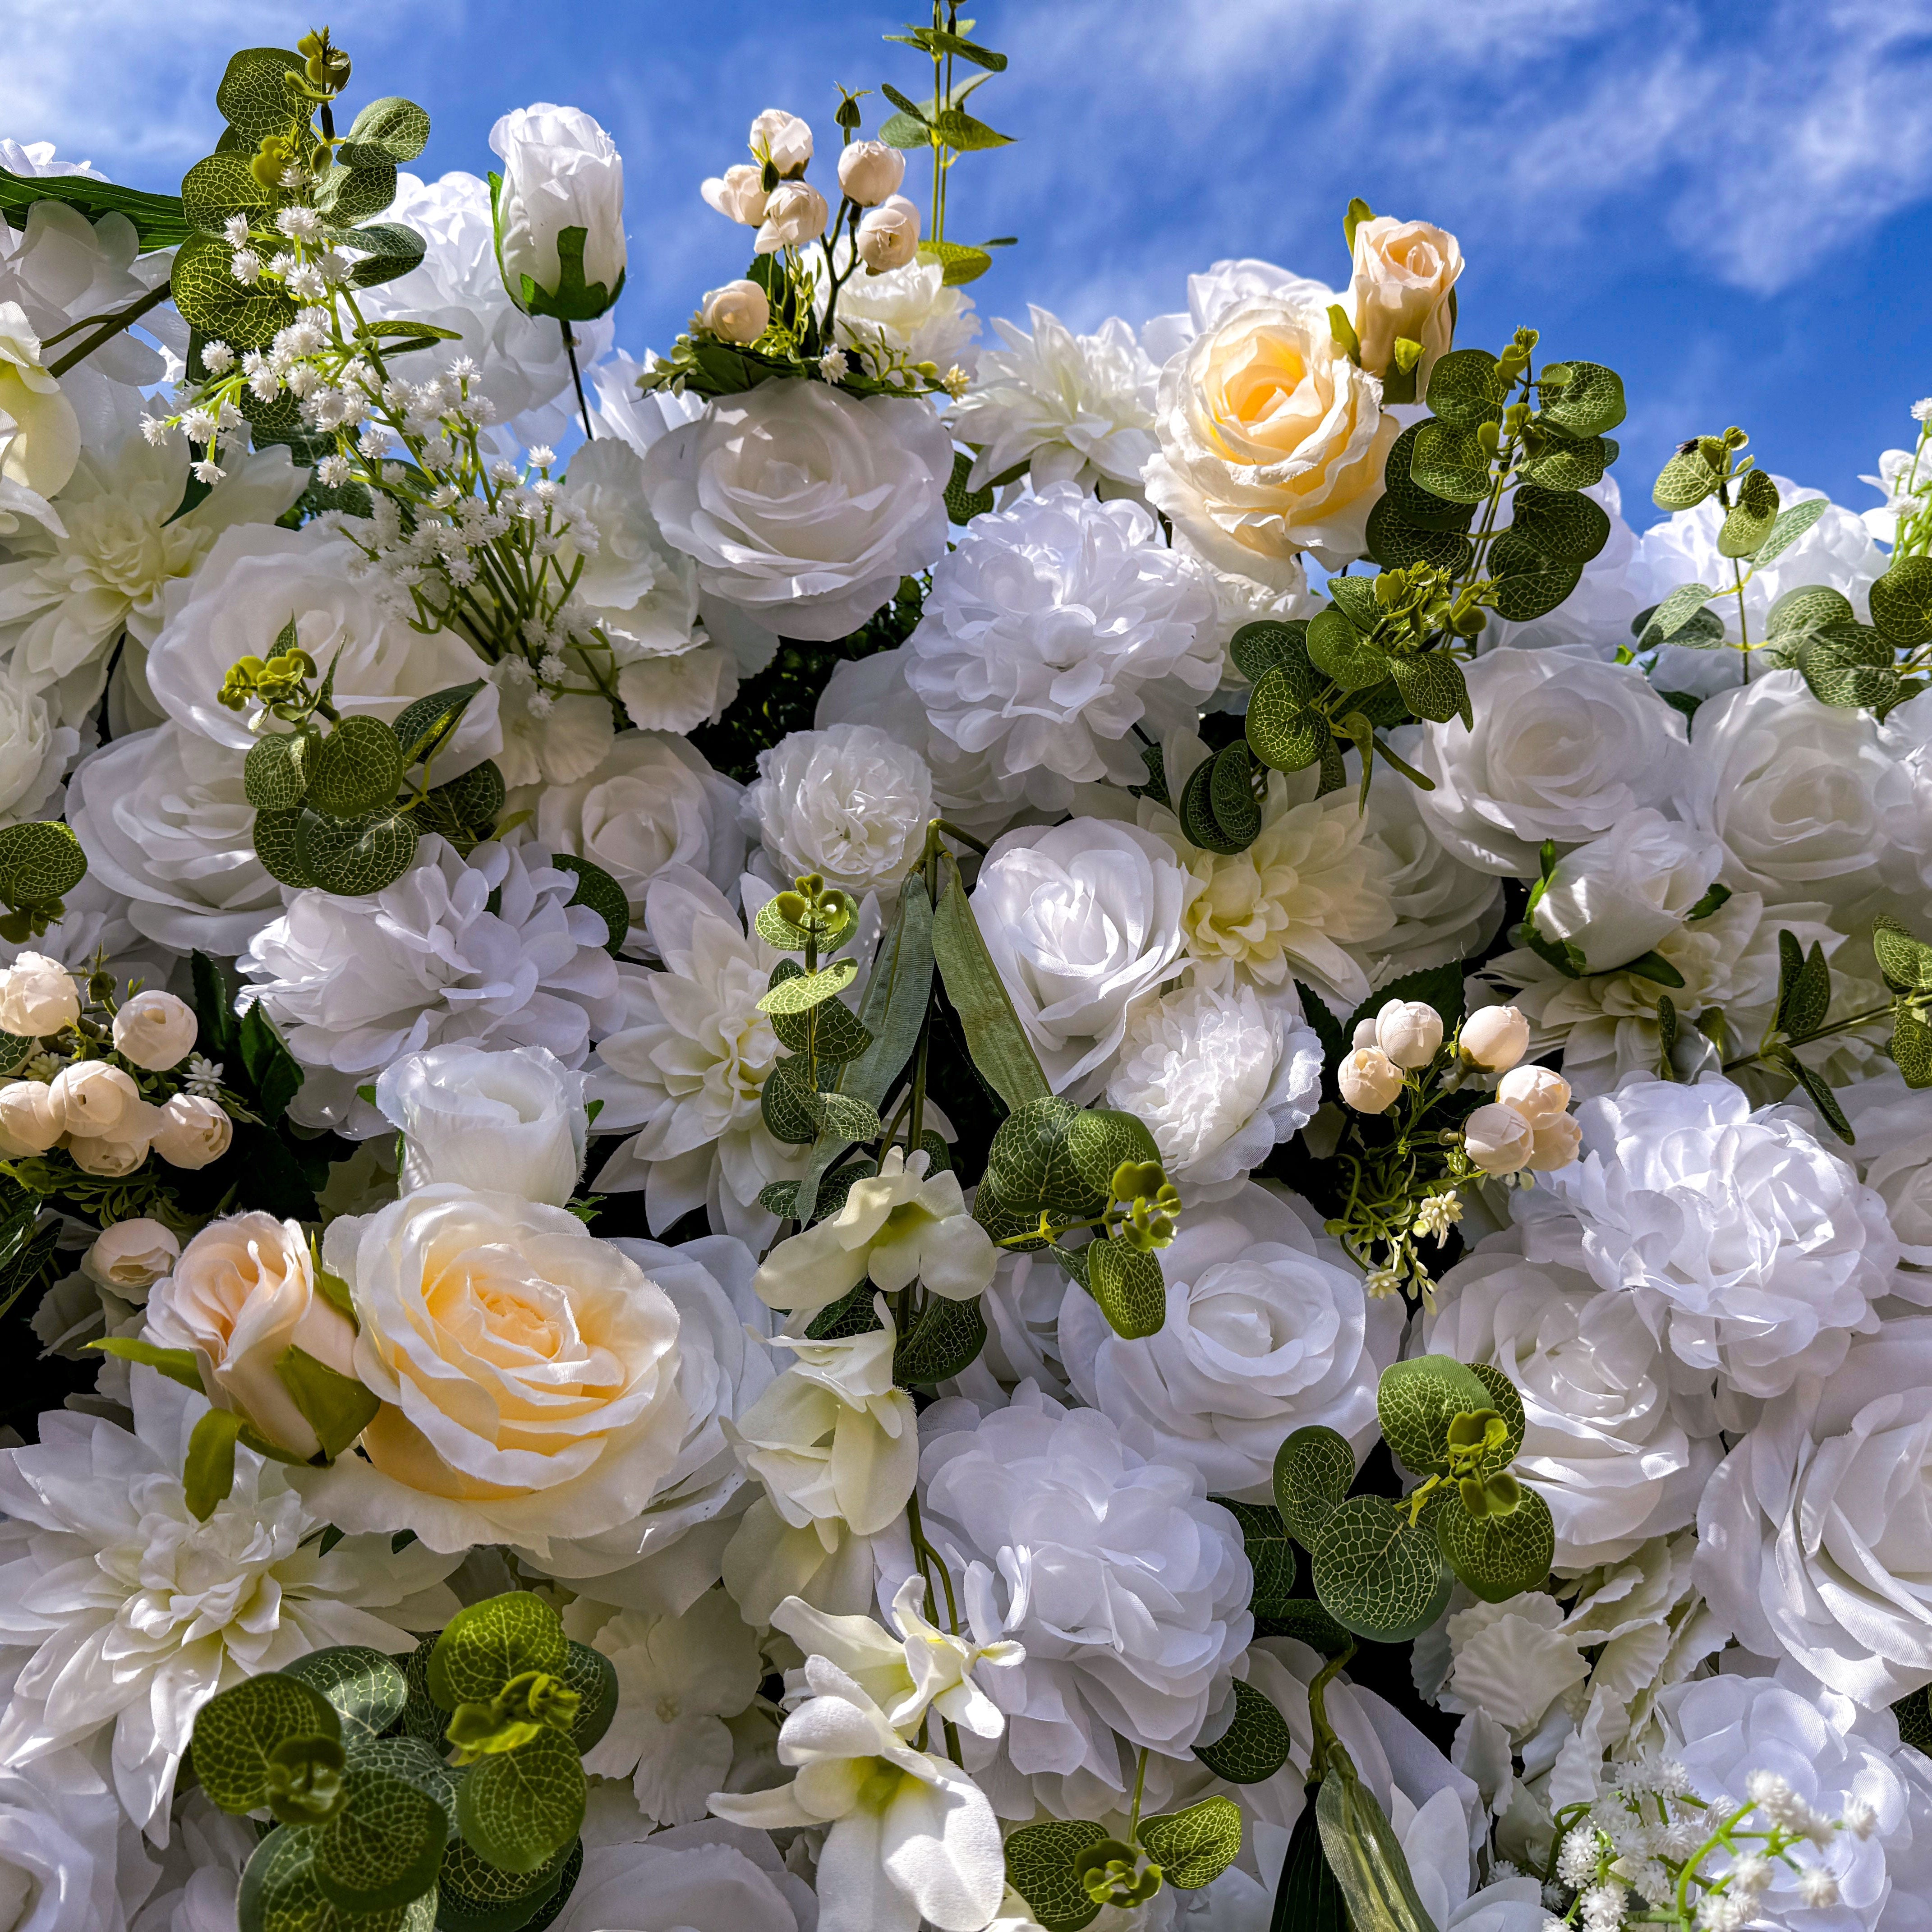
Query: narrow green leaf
{"type": "Point", "coordinates": [178, 1365]}
{"type": "Point", "coordinates": [209, 1473]}
{"type": "Point", "coordinates": [993, 1035]}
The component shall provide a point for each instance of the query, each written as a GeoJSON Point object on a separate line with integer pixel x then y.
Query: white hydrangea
{"type": "Point", "coordinates": [1052, 631]}
{"type": "Point", "coordinates": [849, 803]}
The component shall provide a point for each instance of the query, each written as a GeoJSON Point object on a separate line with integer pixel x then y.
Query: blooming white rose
{"type": "Point", "coordinates": [1619, 1436]}
{"type": "Point", "coordinates": [1565, 747]}
{"type": "Point", "coordinates": [1404, 272]}
{"type": "Point", "coordinates": [739, 193]}
{"type": "Point", "coordinates": [1616, 897]}
{"type": "Point", "coordinates": [1272, 443]}
{"type": "Point", "coordinates": [35, 752]}
{"type": "Point", "coordinates": [1267, 1331]}
{"type": "Point", "coordinates": [1218, 1075]}
{"type": "Point", "coordinates": [1052, 631]}
{"type": "Point", "coordinates": [155, 1029]}
{"type": "Point", "coordinates": [847, 803]}
{"type": "Point", "coordinates": [39, 435]}
{"type": "Point", "coordinates": [795, 213]}
{"type": "Point", "coordinates": [561, 171]}
{"type": "Point", "coordinates": [804, 506]}
{"type": "Point", "coordinates": [869, 171]}
{"type": "Point", "coordinates": [37, 996]}
{"type": "Point", "coordinates": [190, 1131]}
{"type": "Point", "coordinates": [1080, 920]}
{"type": "Point", "coordinates": [739, 312]}
{"type": "Point", "coordinates": [1893, 1123]}
{"type": "Point", "coordinates": [888, 236]}
{"type": "Point", "coordinates": [512, 1120]}
{"type": "Point", "coordinates": [1751, 1250]}
{"type": "Point", "coordinates": [711, 1873]}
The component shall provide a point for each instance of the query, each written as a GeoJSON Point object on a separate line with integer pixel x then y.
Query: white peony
{"type": "Point", "coordinates": [163, 819]}
{"type": "Point", "coordinates": [804, 506]}
{"type": "Point", "coordinates": [848, 803]}
{"type": "Point", "coordinates": [1052, 631]}
{"type": "Point", "coordinates": [1815, 1536]}
{"type": "Point", "coordinates": [1218, 1075]}
{"type": "Point", "coordinates": [1082, 920]}
{"type": "Point", "coordinates": [1076, 409]}
{"type": "Point", "coordinates": [1620, 1437]}
{"type": "Point", "coordinates": [907, 312]}
{"type": "Point", "coordinates": [1620, 896]}
{"type": "Point", "coordinates": [1267, 1331]}
{"type": "Point", "coordinates": [1128, 1589]}
{"type": "Point", "coordinates": [1751, 1250]}
{"type": "Point", "coordinates": [35, 751]}
{"type": "Point", "coordinates": [132, 1615]}
{"type": "Point", "coordinates": [1564, 749]}
{"type": "Point", "coordinates": [488, 950]}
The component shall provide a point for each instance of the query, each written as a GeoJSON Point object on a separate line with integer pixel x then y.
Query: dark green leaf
{"type": "Point", "coordinates": [943, 1342]}
{"type": "Point", "coordinates": [1408, 501]}
{"type": "Point", "coordinates": [519, 1807]}
{"type": "Point", "coordinates": [366, 1688]}
{"type": "Point", "coordinates": [1449, 462]}
{"type": "Point", "coordinates": [1254, 1746]}
{"type": "Point", "coordinates": [1564, 524]}
{"type": "Point", "coordinates": [158, 219]}
{"type": "Point", "coordinates": [1466, 388]}
{"type": "Point", "coordinates": [597, 889]}
{"type": "Point", "coordinates": [994, 1035]}
{"type": "Point", "coordinates": [1375, 1573]}
{"type": "Point", "coordinates": [1312, 1471]}
{"type": "Point", "coordinates": [1039, 1868]}
{"type": "Point", "coordinates": [236, 1729]}
{"type": "Point", "coordinates": [1901, 603]}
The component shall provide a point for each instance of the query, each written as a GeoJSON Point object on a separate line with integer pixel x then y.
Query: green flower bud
{"type": "Point", "coordinates": [304, 1780]}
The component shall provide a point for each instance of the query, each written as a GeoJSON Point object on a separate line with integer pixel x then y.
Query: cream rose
{"type": "Point", "coordinates": [189, 1131]}
{"type": "Point", "coordinates": [1272, 443]}
{"type": "Point", "coordinates": [528, 1372]}
{"type": "Point", "coordinates": [244, 1291]}
{"type": "Point", "coordinates": [561, 171]}
{"type": "Point", "coordinates": [31, 1119]}
{"type": "Point", "coordinates": [128, 1258]}
{"type": "Point", "coordinates": [116, 1154]}
{"type": "Point", "coordinates": [95, 1099]}
{"type": "Point", "coordinates": [795, 213]}
{"type": "Point", "coordinates": [738, 192]}
{"type": "Point", "coordinates": [869, 171]}
{"type": "Point", "coordinates": [1404, 273]}
{"type": "Point", "coordinates": [37, 997]}
{"type": "Point", "coordinates": [889, 235]}
{"type": "Point", "coordinates": [155, 1031]}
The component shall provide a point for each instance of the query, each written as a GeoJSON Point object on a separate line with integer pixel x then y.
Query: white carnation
{"type": "Point", "coordinates": [848, 803]}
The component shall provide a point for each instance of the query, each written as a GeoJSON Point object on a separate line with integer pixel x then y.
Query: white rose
{"type": "Point", "coordinates": [804, 506]}
{"type": "Point", "coordinates": [889, 235]}
{"type": "Point", "coordinates": [869, 171]}
{"type": "Point", "coordinates": [129, 1257]}
{"type": "Point", "coordinates": [528, 1372]}
{"type": "Point", "coordinates": [1894, 1151]}
{"type": "Point", "coordinates": [710, 1873]}
{"type": "Point", "coordinates": [1268, 1331]}
{"type": "Point", "coordinates": [560, 171]}
{"type": "Point", "coordinates": [155, 1029]}
{"type": "Point", "coordinates": [95, 1098]}
{"type": "Point", "coordinates": [795, 213]}
{"type": "Point", "coordinates": [1368, 1080]}
{"type": "Point", "coordinates": [1565, 747]}
{"type": "Point", "coordinates": [1081, 919]}
{"type": "Point", "coordinates": [848, 803]}
{"type": "Point", "coordinates": [1619, 1436]}
{"type": "Point", "coordinates": [512, 1121]}
{"type": "Point", "coordinates": [1404, 273]}
{"type": "Point", "coordinates": [1495, 1037]}
{"type": "Point", "coordinates": [190, 1131]}
{"type": "Point", "coordinates": [738, 193]}
{"type": "Point", "coordinates": [1616, 897]}
{"type": "Point", "coordinates": [35, 751]}
{"type": "Point", "coordinates": [784, 140]}
{"type": "Point", "coordinates": [40, 434]}
{"type": "Point", "coordinates": [37, 997]}
{"type": "Point", "coordinates": [1409, 1031]}
{"type": "Point", "coordinates": [242, 1292]}
{"type": "Point", "coordinates": [1498, 1139]}
{"type": "Point", "coordinates": [1557, 1143]}
{"type": "Point", "coordinates": [30, 1118]}
{"type": "Point", "coordinates": [1272, 443]}
{"type": "Point", "coordinates": [737, 313]}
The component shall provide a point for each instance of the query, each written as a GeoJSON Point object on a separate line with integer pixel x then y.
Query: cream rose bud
{"type": "Point", "coordinates": [1495, 1037]}
{"type": "Point", "coordinates": [561, 171]}
{"type": "Point", "coordinates": [130, 1257]}
{"type": "Point", "coordinates": [513, 1121]}
{"type": "Point", "coordinates": [1404, 271]}
{"type": "Point", "coordinates": [37, 997]}
{"type": "Point", "coordinates": [889, 235]}
{"type": "Point", "coordinates": [120, 1150]}
{"type": "Point", "coordinates": [190, 1131]}
{"type": "Point", "coordinates": [1370, 1080]}
{"type": "Point", "coordinates": [95, 1098]}
{"type": "Point", "coordinates": [869, 171]}
{"type": "Point", "coordinates": [1557, 1144]}
{"type": "Point", "coordinates": [155, 1031]}
{"type": "Point", "coordinates": [737, 313]}
{"type": "Point", "coordinates": [1498, 1139]}
{"type": "Point", "coordinates": [243, 1292]}
{"type": "Point", "coordinates": [30, 1118]}
{"type": "Point", "coordinates": [738, 192]}
{"type": "Point", "coordinates": [1409, 1032]}
{"type": "Point", "coordinates": [795, 215]}
{"type": "Point", "coordinates": [783, 140]}
{"type": "Point", "coordinates": [1365, 1033]}
{"type": "Point", "coordinates": [1535, 1093]}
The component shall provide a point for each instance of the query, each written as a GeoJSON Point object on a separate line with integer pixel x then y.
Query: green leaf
{"type": "Point", "coordinates": [353, 857]}
{"type": "Point", "coordinates": [1905, 961]}
{"type": "Point", "coordinates": [801, 991]}
{"type": "Point", "coordinates": [788, 1104]}
{"type": "Point", "coordinates": [1571, 466]}
{"type": "Point", "coordinates": [1098, 1139]}
{"type": "Point", "coordinates": [1039, 1868]}
{"type": "Point", "coordinates": [158, 219]}
{"type": "Point", "coordinates": [1304, 1619]}
{"type": "Point", "coordinates": [336, 1406]}
{"type": "Point", "coordinates": [1466, 388]}
{"type": "Point", "coordinates": [1589, 400]}
{"type": "Point", "coordinates": [218, 186]}
{"type": "Point", "coordinates": [236, 1731]}
{"type": "Point", "coordinates": [422, 728]}
{"type": "Point", "coordinates": [590, 1673]}
{"type": "Point", "coordinates": [1703, 630]}
{"type": "Point", "coordinates": [1367, 1858]}
{"type": "Point", "coordinates": [384, 1847]}
{"type": "Point", "coordinates": [1805, 987]}
{"type": "Point", "coordinates": [1128, 1287]}
{"type": "Point", "coordinates": [940, 41]}
{"type": "Point", "coordinates": [994, 1035]}
{"type": "Point", "coordinates": [1415, 1402]}
{"type": "Point", "coordinates": [1201, 822]}
{"type": "Point", "coordinates": [1283, 730]}
{"type": "Point", "coordinates": [1312, 1471]}
{"type": "Point", "coordinates": [466, 809]}
{"type": "Point", "coordinates": [350, 193]}
{"type": "Point", "coordinates": [1376, 1573]}
{"type": "Point", "coordinates": [960, 132]}
{"type": "Point", "coordinates": [1912, 1046]}
{"type": "Point", "coordinates": [1901, 603]}
{"type": "Point", "coordinates": [1411, 503]}
{"type": "Point", "coordinates": [1253, 1747]}
{"type": "Point", "coordinates": [1270, 1555]}
{"type": "Point", "coordinates": [1791, 525]}
{"type": "Point", "coordinates": [1562, 523]}
{"type": "Point", "coordinates": [1529, 583]}
{"type": "Point", "coordinates": [1335, 646]}
{"type": "Point", "coordinates": [601, 893]}
{"type": "Point", "coordinates": [943, 1342]}
{"type": "Point", "coordinates": [273, 1071]}
{"type": "Point", "coordinates": [958, 263]}
{"type": "Point", "coordinates": [518, 1807]}
{"type": "Point", "coordinates": [1811, 610]}
{"type": "Point", "coordinates": [274, 775]}
{"type": "Point", "coordinates": [484, 1646]}
{"type": "Point", "coordinates": [1750, 520]}
{"type": "Point", "coordinates": [1194, 1847]}
{"type": "Point", "coordinates": [279, 1894]}
{"type": "Point", "coordinates": [1679, 608]}
{"type": "Point", "coordinates": [1506, 1401]}
{"type": "Point", "coordinates": [1308, 1899]}
{"type": "Point", "coordinates": [178, 1365]}
{"type": "Point", "coordinates": [963, 504]}
{"type": "Point", "coordinates": [366, 1689]}
{"type": "Point", "coordinates": [481, 1891]}
{"type": "Point", "coordinates": [574, 299]}
{"type": "Point", "coordinates": [903, 131]}
{"type": "Point", "coordinates": [207, 1474]}
{"type": "Point", "coordinates": [1396, 545]}
{"type": "Point", "coordinates": [831, 1030]}
{"type": "Point", "coordinates": [1498, 1557]}
{"type": "Point", "coordinates": [1432, 686]}
{"type": "Point", "coordinates": [40, 859]}
{"type": "Point", "coordinates": [1685, 482]}
{"type": "Point", "coordinates": [1440, 987]}
{"type": "Point", "coordinates": [211, 299]}
{"type": "Point", "coordinates": [252, 97]}
{"type": "Point", "coordinates": [26, 1255]}
{"type": "Point", "coordinates": [399, 128]}
{"type": "Point", "coordinates": [1449, 462]}
{"type": "Point", "coordinates": [411, 1758]}
{"type": "Point", "coordinates": [1032, 1163]}
{"type": "Point", "coordinates": [356, 769]}
{"type": "Point", "coordinates": [1821, 1096]}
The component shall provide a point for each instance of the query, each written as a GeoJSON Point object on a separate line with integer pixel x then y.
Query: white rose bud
{"type": "Point", "coordinates": [1495, 1037]}
{"type": "Point", "coordinates": [37, 997]}
{"type": "Point", "coordinates": [1365, 1033]}
{"type": "Point", "coordinates": [1498, 1139]}
{"type": "Point", "coordinates": [1409, 1032]}
{"type": "Point", "coordinates": [1404, 273]}
{"type": "Point", "coordinates": [738, 192]}
{"type": "Point", "coordinates": [737, 313]}
{"type": "Point", "coordinates": [129, 1257]}
{"type": "Point", "coordinates": [868, 171]}
{"type": "Point", "coordinates": [190, 1131]}
{"type": "Point", "coordinates": [119, 1151]}
{"type": "Point", "coordinates": [561, 171]}
{"type": "Point", "coordinates": [31, 1119]}
{"type": "Point", "coordinates": [783, 140]}
{"type": "Point", "coordinates": [1557, 1144]}
{"type": "Point", "coordinates": [155, 1031]}
{"type": "Point", "coordinates": [1370, 1080]}
{"type": "Point", "coordinates": [889, 235]}
{"type": "Point", "coordinates": [1537, 1094]}
{"type": "Point", "coordinates": [95, 1098]}
{"type": "Point", "coordinates": [795, 215]}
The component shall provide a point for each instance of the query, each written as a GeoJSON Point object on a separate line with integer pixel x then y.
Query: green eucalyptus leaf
{"type": "Point", "coordinates": [1312, 1471]}
{"type": "Point", "coordinates": [1254, 1746]}
{"type": "Point", "coordinates": [1749, 520]}
{"type": "Point", "coordinates": [1905, 960]}
{"type": "Point", "coordinates": [519, 1808]}
{"type": "Point", "coordinates": [1571, 466]}
{"type": "Point", "coordinates": [1791, 525]}
{"type": "Point", "coordinates": [400, 128]}
{"type": "Point", "coordinates": [1283, 730]}
{"type": "Point", "coordinates": [1033, 1165]}
{"type": "Point", "coordinates": [1269, 1553]}
{"type": "Point", "coordinates": [1812, 609]}
{"type": "Point", "coordinates": [252, 96]}
{"type": "Point", "coordinates": [1449, 462]}
{"type": "Point", "coordinates": [1530, 583]}
{"type": "Point", "coordinates": [1194, 1847]}
{"type": "Point", "coordinates": [220, 185]}
{"type": "Point", "coordinates": [1409, 502]}
{"type": "Point", "coordinates": [1564, 524]}
{"type": "Point", "coordinates": [1432, 686]}
{"type": "Point", "coordinates": [1912, 1046]}
{"type": "Point", "coordinates": [279, 1893]}
{"type": "Point", "coordinates": [210, 299]}
{"type": "Point", "coordinates": [1396, 545]}
{"type": "Point", "coordinates": [1337, 647]}
{"type": "Point", "coordinates": [1901, 603]}
{"type": "Point", "coordinates": [788, 1104]}
{"type": "Point", "coordinates": [1589, 400]}
{"type": "Point", "coordinates": [1375, 1573]}
{"type": "Point", "coordinates": [424, 726]}
{"type": "Point", "coordinates": [1702, 630]}
{"type": "Point", "coordinates": [1415, 1402]}
{"type": "Point", "coordinates": [601, 893]}
{"type": "Point", "coordinates": [484, 1646]}
{"type": "Point", "coordinates": [356, 769]}
{"type": "Point", "coordinates": [237, 1729]}
{"type": "Point", "coordinates": [1040, 1867]}
{"type": "Point", "coordinates": [274, 773]}
{"type": "Point", "coordinates": [351, 857]}
{"type": "Point", "coordinates": [1685, 482]}
{"type": "Point", "coordinates": [366, 1689]}
{"type": "Point", "coordinates": [1506, 1401]}
{"type": "Point", "coordinates": [1466, 388]}
{"type": "Point", "coordinates": [1128, 1287]}
{"type": "Point", "coordinates": [1679, 608]}
{"type": "Point", "coordinates": [40, 859]}
{"type": "Point", "coordinates": [944, 1341]}
{"type": "Point", "coordinates": [1498, 1557]}
{"type": "Point", "coordinates": [384, 1847]}
{"type": "Point", "coordinates": [1256, 649]}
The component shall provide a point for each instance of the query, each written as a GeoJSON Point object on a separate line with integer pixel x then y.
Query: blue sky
{"type": "Point", "coordinates": [1728, 203]}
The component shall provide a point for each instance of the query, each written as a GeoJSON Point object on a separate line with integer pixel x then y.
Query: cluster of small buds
{"type": "Point", "coordinates": [1437, 1214]}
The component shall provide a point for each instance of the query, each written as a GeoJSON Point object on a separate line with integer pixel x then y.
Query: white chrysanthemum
{"type": "Point", "coordinates": [131, 1614]}
{"type": "Point", "coordinates": [1079, 408]}
{"type": "Point", "coordinates": [1218, 1075]}
{"type": "Point", "coordinates": [849, 803]}
{"type": "Point", "coordinates": [1127, 1588]}
{"type": "Point", "coordinates": [1267, 1331]}
{"type": "Point", "coordinates": [1052, 631]}
{"type": "Point", "coordinates": [1753, 1251]}
{"type": "Point", "coordinates": [907, 312]}
{"type": "Point", "coordinates": [489, 950]}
